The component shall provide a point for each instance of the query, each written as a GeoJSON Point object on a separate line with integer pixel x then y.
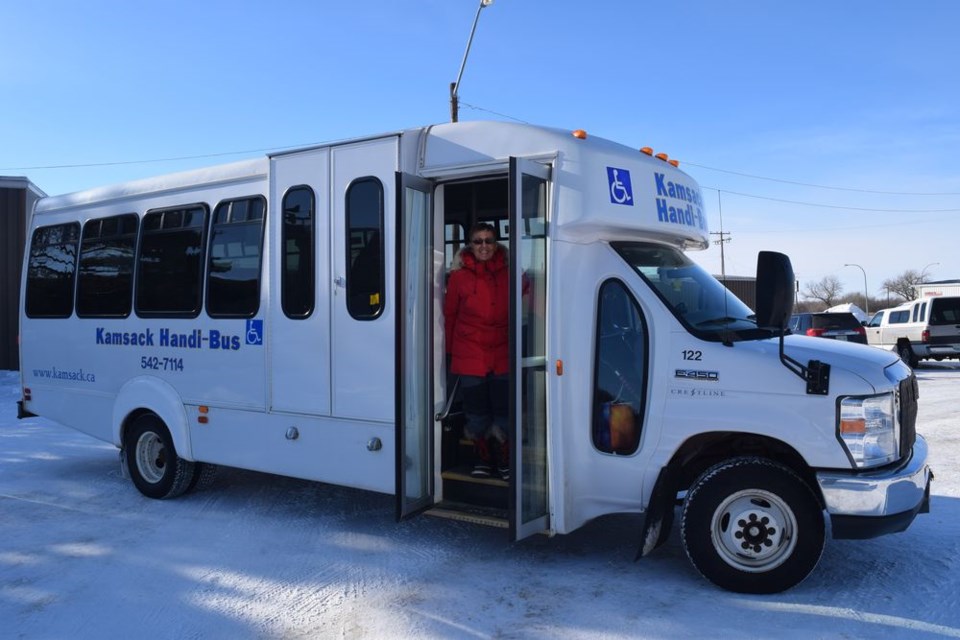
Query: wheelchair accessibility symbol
{"type": "Point", "coordinates": [255, 332]}
{"type": "Point", "coordinates": [621, 192]}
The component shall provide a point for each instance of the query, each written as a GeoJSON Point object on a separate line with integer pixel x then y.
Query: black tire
{"type": "Point", "coordinates": [204, 475]}
{"type": "Point", "coordinates": [906, 354]}
{"type": "Point", "coordinates": [752, 525]}
{"type": "Point", "coordinates": [155, 468]}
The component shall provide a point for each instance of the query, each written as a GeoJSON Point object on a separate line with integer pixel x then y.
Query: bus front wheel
{"type": "Point", "coordinates": [155, 468]}
{"type": "Point", "coordinates": [752, 525]}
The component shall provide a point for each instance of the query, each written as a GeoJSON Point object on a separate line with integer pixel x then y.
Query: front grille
{"type": "Point", "coordinates": [909, 392]}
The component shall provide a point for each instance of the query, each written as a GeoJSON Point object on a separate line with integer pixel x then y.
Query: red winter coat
{"type": "Point", "coordinates": [476, 312]}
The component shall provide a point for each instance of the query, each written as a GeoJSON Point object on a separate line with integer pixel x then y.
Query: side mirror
{"type": "Point", "coordinates": [775, 283]}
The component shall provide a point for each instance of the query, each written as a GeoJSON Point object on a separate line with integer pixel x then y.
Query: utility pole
{"type": "Point", "coordinates": [722, 241]}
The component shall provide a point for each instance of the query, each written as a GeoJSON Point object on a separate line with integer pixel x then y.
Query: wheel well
{"type": "Point", "coordinates": [701, 452]}
{"type": "Point", "coordinates": [903, 342]}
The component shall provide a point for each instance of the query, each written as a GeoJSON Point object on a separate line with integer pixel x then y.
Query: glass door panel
{"type": "Point", "coordinates": [414, 342]}
{"type": "Point", "coordinates": [528, 249]}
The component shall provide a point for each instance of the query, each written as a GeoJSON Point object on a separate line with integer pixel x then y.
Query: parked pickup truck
{"type": "Point", "coordinates": [919, 330]}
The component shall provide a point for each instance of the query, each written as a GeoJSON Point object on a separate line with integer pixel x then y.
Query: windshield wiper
{"type": "Point", "coordinates": [722, 320]}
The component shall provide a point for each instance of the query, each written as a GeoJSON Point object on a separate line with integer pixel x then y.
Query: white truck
{"type": "Point", "coordinates": [925, 329]}
{"type": "Point", "coordinates": [284, 314]}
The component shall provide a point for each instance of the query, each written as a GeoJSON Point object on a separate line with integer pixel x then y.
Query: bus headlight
{"type": "Point", "coordinates": [868, 429]}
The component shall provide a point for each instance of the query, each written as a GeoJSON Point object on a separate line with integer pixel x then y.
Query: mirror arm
{"type": "Point", "coordinates": [815, 373]}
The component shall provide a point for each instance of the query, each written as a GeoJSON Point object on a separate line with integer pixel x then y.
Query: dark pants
{"type": "Point", "coordinates": [486, 403]}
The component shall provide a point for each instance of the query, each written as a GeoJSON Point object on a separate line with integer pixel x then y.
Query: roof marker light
{"type": "Point", "coordinates": [675, 163]}
{"type": "Point", "coordinates": [662, 156]}
{"type": "Point", "coordinates": [580, 134]}
{"type": "Point", "coordinates": [646, 150]}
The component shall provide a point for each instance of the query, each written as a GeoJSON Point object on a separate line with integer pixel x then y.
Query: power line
{"type": "Point", "coordinates": [502, 115]}
{"type": "Point", "coordinates": [858, 227]}
{"type": "Point", "coordinates": [819, 186]}
{"type": "Point", "coordinates": [832, 206]}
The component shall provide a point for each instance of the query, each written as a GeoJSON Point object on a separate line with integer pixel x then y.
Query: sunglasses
{"type": "Point", "coordinates": [480, 241]}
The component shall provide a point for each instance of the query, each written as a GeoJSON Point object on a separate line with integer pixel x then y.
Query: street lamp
{"type": "Point", "coordinates": [455, 86]}
{"type": "Point", "coordinates": [866, 296]}
{"type": "Point", "coordinates": [923, 273]}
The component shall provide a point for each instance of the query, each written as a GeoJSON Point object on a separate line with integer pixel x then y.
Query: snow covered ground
{"type": "Point", "coordinates": [84, 555]}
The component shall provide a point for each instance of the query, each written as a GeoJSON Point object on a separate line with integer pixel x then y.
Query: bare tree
{"type": "Point", "coordinates": [828, 290]}
{"type": "Point", "coordinates": [904, 285]}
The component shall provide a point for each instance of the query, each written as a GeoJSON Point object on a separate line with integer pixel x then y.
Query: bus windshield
{"type": "Point", "coordinates": [705, 307]}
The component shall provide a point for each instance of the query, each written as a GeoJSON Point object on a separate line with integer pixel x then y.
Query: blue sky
{"type": "Point", "coordinates": [764, 102]}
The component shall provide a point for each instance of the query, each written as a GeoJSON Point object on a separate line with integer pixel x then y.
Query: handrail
{"type": "Point", "coordinates": [449, 404]}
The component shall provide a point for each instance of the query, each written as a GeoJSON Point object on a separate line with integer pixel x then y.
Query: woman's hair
{"type": "Point", "coordinates": [482, 226]}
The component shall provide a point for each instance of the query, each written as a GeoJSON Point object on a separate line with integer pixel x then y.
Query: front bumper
{"type": "Point", "coordinates": [867, 504]}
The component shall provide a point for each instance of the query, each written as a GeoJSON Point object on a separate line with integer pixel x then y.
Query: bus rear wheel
{"type": "Point", "coordinates": [155, 468]}
{"type": "Point", "coordinates": [752, 525]}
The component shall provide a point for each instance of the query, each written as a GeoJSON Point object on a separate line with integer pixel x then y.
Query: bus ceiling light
{"type": "Point", "coordinates": [646, 150]}
{"type": "Point", "coordinates": [580, 134]}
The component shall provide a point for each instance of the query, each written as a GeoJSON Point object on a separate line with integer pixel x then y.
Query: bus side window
{"type": "Point", "coordinates": [297, 286]}
{"type": "Point", "coordinates": [365, 271]}
{"type": "Point", "coordinates": [51, 271]}
{"type": "Point", "coordinates": [105, 275]}
{"type": "Point", "coordinates": [233, 273]}
{"type": "Point", "coordinates": [169, 281]}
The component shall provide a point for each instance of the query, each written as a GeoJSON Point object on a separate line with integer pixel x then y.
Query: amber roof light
{"type": "Point", "coordinates": [580, 134]}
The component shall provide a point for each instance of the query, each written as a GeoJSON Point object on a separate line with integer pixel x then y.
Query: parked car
{"type": "Point", "coordinates": [923, 329]}
{"type": "Point", "coordinates": [835, 325]}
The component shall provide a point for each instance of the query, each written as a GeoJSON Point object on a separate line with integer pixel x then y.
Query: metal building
{"type": "Point", "coordinates": [17, 196]}
{"type": "Point", "coordinates": [938, 288]}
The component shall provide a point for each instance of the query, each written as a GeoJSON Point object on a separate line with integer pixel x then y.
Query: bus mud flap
{"type": "Point", "coordinates": [659, 517]}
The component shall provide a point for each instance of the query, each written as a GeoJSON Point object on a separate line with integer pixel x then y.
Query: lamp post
{"type": "Point", "coordinates": [866, 296]}
{"type": "Point", "coordinates": [455, 86]}
{"type": "Point", "coordinates": [923, 273]}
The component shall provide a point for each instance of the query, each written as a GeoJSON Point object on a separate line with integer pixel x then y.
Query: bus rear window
{"type": "Point", "coordinates": [51, 271]}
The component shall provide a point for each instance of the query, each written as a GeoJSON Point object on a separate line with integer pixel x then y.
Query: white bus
{"type": "Point", "coordinates": [285, 315]}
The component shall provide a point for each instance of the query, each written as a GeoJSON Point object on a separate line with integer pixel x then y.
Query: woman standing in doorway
{"type": "Point", "coordinates": [476, 311]}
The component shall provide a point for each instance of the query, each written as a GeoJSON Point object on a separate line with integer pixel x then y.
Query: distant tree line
{"type": "Point", "coordinates": [828, 292]}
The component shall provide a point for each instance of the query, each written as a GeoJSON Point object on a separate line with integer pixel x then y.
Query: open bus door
{"type": "Point", "coordinates": [528, 509]}
{"type": "Point", "coordinates": [414, 420]}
